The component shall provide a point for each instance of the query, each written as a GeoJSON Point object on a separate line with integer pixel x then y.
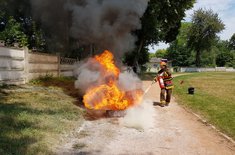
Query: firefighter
{"type": "Point", "coordinates": [164, 79]}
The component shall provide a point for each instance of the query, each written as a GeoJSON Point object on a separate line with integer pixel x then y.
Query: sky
{"type": "Point", "coordinates": [225, 10]}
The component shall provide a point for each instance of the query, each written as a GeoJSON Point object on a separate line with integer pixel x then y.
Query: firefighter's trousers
{"type": "Point", "coordinates": [165, 96]}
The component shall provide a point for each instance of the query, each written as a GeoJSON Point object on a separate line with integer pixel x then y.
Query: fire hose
{"type": "Point", "coordinates": [158, 79]}
{"type": "Point", "coordinates": [154, 81]}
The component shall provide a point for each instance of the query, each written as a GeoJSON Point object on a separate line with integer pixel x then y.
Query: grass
{"type": "Point", "coordinates": [33, 117]}
{"type": "Point", "coordinates": [214, 97]}
{"type": "Point", "coordinates": [149, 76]}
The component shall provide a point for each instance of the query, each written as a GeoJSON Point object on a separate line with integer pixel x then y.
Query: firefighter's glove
{"type": "Point", "coordinates": [155, 79]}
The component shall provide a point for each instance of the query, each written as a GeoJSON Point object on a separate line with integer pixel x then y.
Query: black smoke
{"type": "Point", "coordinates": [105, 24]}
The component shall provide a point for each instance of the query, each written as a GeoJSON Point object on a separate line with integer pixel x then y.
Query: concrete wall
{"type": "Point", "coordinates": [66, 70]}
{"type": "Point", "coordinates": [67, 66]}
{"type": "Point", "coordinates": [42, 64]}
{"type": "Point", "coordinates": [12, 64]}
{"type": "Point", "coordinates": [19, 66]}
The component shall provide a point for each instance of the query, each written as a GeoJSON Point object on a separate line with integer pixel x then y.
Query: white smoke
{"type": "Point", "coordinates": [140, 117]}
{"type": "Point", "coordinates": [129, 81]}
{"type": "Point", "coordinates": [90, 73]}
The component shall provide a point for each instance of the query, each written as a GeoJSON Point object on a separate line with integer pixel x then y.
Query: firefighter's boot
{"type": "Point", "coordinates": [167, 103]}
{"type": "Point", "coordinates": [162, 103]}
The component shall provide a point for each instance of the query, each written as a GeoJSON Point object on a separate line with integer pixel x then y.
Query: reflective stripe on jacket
{"type": "Point", "coordinates": [167, 78]}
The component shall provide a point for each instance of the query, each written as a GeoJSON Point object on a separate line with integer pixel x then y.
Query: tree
{"type": "Point", "coordinates": [151, 55]}
{"type": "Point", "coordinates": [161, 53]}
{"type": "Point", "coordinates": [225, 59]}
{"type": "Point", "coordinates": [16, 25]}
{"type": "Point", "coordinates": [225, 54]}
{"type": "Point", "coordinates": [203, 32]}
{"type": "Point", "coordinates": [161, 22]}
{"type": "Point", "coordinates": [129, 58]}
{"type": "Point", "coordinates": [178, 51]}
{"type": "Point", "coordinates": [13, 33]}
{"type": "Point", "coordinates": [232, 42]}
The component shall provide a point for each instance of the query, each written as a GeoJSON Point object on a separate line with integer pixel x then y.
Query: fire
{"type": "Point", "coordinates": [106, 60]}
{"type": "Point", "coordinates": [109, 96]}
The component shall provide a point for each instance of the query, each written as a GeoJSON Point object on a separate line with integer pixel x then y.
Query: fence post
{"type": "Point", "coordinates": [26, 64]}
{"type": "Point", "coordinates": [59, 67]}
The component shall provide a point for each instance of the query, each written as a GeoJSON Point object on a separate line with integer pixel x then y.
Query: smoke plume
{"type": "Point", "coordinates": [106, 24]}
{"type": "Point", "coordinates": [140, 117]}
{"type": "Point", "coordinates": [90, 73]}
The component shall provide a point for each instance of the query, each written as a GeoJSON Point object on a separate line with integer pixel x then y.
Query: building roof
{"type": "Point", "coordinates": [155, 60]}
{"type": "Point", "coordinates": [158, 60]}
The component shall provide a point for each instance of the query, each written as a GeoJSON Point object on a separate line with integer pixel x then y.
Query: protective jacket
{"type": "Point", "coordinates": [165, 79]}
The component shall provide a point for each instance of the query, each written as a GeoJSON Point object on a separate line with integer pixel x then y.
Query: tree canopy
{"type": "Point", "coordinates": [17, 25]}
{"type": "Point", "coordinates": [161, 22]}
{"type": "Point", "coordinates": [178, 51]}
{"type": "Point", "coordinates": [220, 54]}
{"type": "Point", "coordinates": [203, 33]}
{"type": "Point", "coordinates": [232, 42]}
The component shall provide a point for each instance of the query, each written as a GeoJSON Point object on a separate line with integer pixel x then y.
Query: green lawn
{"type": "Point", "coordinates": [214, 97]}
{"type": "Point", "coordinates": [33, 117]}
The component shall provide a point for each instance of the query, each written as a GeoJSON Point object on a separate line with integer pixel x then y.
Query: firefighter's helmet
{"type": "Point", "coordinates": [162, 63]}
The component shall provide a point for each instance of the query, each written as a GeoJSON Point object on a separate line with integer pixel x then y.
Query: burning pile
{"type": "Point", "coordinates": [109, 94]}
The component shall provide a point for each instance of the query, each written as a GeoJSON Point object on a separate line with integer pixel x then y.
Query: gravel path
{"type": "Point", "coordinates": [175, 132]}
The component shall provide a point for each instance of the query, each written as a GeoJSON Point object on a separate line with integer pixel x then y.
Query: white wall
{"type": "Point", "coordinates": [216, 69]}
{"type": "Point", "coordinates": [12, 65]}
{"type": "Point", "coordinates": [18, 66]}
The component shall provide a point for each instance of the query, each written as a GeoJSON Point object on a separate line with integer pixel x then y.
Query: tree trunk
{"type": "Point", "coordinates": [138, 53]}
{"type": "Point", "coordinates": [92, 50]}
{"type": "Point", "coordinates": [198, 58]}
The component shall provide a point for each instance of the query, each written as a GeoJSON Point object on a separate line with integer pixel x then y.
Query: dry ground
{"type": "Point", "coordinates": [175, 131]}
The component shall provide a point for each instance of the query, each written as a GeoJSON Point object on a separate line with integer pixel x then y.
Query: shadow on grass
{"type": "Point", "coordinates": [67, 85]}
{"type": "Point", "coordinates": [16, 136]}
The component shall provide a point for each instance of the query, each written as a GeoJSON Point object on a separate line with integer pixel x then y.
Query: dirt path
{"type": "Point", "coordinates": [175, 132]}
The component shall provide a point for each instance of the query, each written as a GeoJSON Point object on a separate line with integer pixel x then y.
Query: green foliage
{"type": "Point", "coordinates": [161, 53]}
{"type": "Point", "coordinates": [232, 42]}
{"type": "Point", "coordinates": [162, 20]}
{"type": "Point", "coordinates": [151, 55]}
{"type": "Point", "coordinates": [42, 78]}
{"type": "Point", "coordinates": [225, 56]}
{"type": "Point", "coordinates": [209, 58]}
{"type": "Point", "coordinates": [219, 54]}
{"type": "Point", "coordinates": [13, 33]}
{"type": "Point", "coordinates": [17, 26]}
{"type": "Point", "coordinates": [37, 39]}
{"type": "Point", "coordinates": [225, 59]}
{"type": "Point", "coordinates": [203, 32]}
{"type": "Point", "coordinates": [143, 57]}
{"type": "Point", "coordinates": [178, 51]}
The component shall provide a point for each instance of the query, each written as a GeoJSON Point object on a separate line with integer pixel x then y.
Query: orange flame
{"type": "Point", "coordinates": [108, 96]}
{"type": "Point", "coordinates": [106, 60]}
